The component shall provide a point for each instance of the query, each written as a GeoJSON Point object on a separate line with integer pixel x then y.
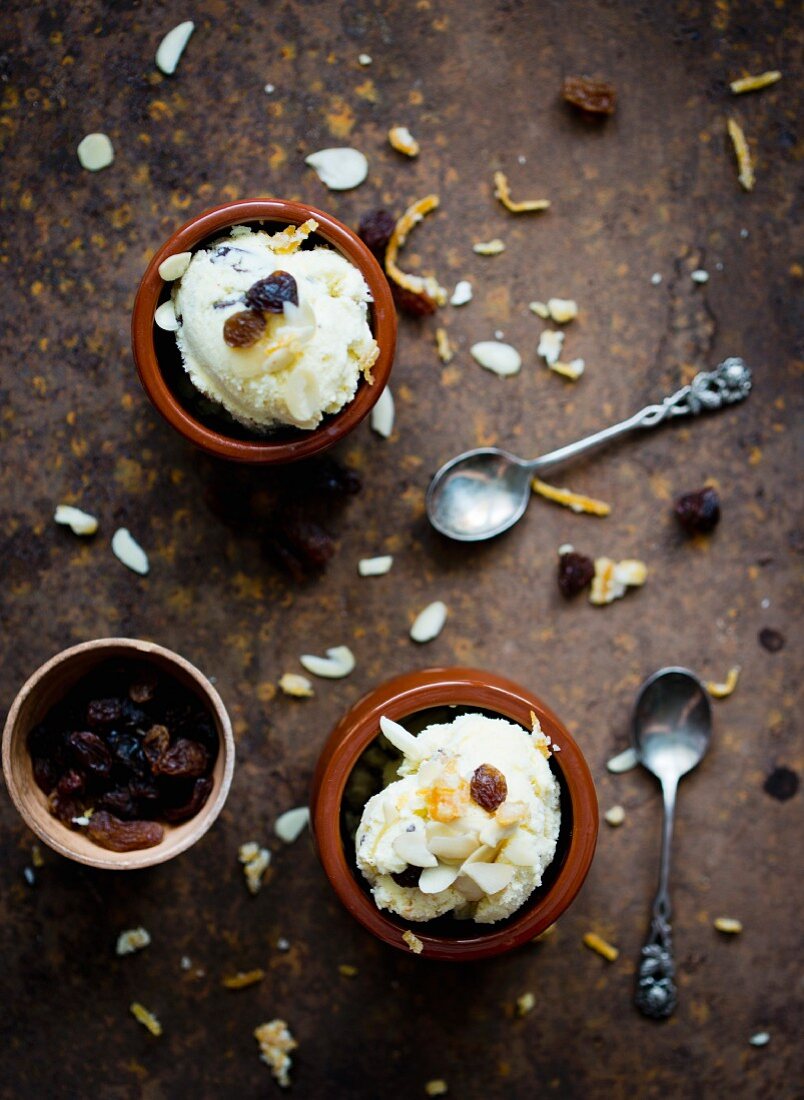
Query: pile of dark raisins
{"type": "Point", "coordinates": [128, 748]}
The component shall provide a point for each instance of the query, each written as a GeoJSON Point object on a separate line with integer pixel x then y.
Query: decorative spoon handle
{"type": "Point", "coordinates": [710, 390]}
{"type": "Point", "coordinates": [656, 994]}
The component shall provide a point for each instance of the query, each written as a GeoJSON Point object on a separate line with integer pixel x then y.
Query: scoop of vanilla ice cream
{"type": "Point", "coordinates": [479, 863]}
{"type": "Point", "coordinates": [309, 359]}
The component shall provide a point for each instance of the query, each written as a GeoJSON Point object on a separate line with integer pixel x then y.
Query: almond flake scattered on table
{"type": "Point", "coordinates": [503, 193]}
{"type": "Point", "coordinates": [293, 683]}
{"type": "Point", "coordinates": [502, 359]}
{"type": "Point", "coordinates": [562, 310]}
{"type": "Point", "coordinates": [382, 415]}
{"type": "Point", "coordinates": [722, 691]}
{"type": "Point", "coordinates": [613, 578]}
{"type": "Point", "coordinates": [127, 550]}
{"type": "Point", "coordinates": [80, 523]}
{"type": "Point", "coordinates": [339, 168]}
{"type": "Point", "coordinates": [755, 83]}
{"type": "Point", "coordinates": [291, 824]}
{"type": "Point", "coordinates": [489, 248]}
{"type": "Point", "coordinates": [364, 59]}
{"type": "Point", "coordinates": [576, 502]}
{"type": "Point", "coordinates": [172, 47]}
{"type": "Point", "coordinates": [95, 151]}
{"type": "Point", "coordinates": [700, 276]}
{"type": "Point", "coordinates": [173, 267]}
{"type": "Point", "coordinates": [424, 285]}
{"type": "Point", "coordinates": [760, 1039]}
{"type": "Point", "coordinates": [615, 816]}
{"type": "Point", "coordinates": [743, 153]}
{"type": "Point", "coordinates": [375, 567]}
{"type": "Point", "coordinates": [730, 926]}
{"type": "Point", "coordinates": [133, 939]}
{"type": "Point", "coordinates": [462, 293]}
{"type": "Point", "coordinates": [276, 1044]}
{"type": "Point", "coordinates": [429, 623]}
{"type": "Point", "coordinates": [623, 762]}
{"type": "Point", "coordinates": [347, 970]}
{"type": "Point", "coordinates": [401, 139]}
{"type": "Point", "coordinates": [339, 662]}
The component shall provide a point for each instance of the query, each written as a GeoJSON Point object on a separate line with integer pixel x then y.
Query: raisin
{"type": "Point", "coordinates": [698, 512]}
{"type": "Point", "coordinates": [375, 231]}
{"type": "Point", "coordinates": [72, 783]}
{"type": "Point", "coordinates": [127, 753]}
{"type": "Point", "coordinates": [243, 329]}
{"type": "Point", "coordinates": [111, 833]}
{"type": "Point", "coordinates": [200, 793]}
{"type": "Point", "coordinates": [575, 572]}
{"type": "Point", "coordinates": [46, 773]}
{"type": "Point", "coordinates": [271, 293]}
{"type": "Point", "coordinates": [184, 759]}
{"type": "Point", "coordinates": [132, 717]}
{"type": "Point", "coordinates": [409, 878]}
{"type": "Point", "coordinates": [119, 802]}
{"type": "Point", "coordinates": [488, 787]}
{"type": "Point", "coordinates": [154, 744]}
{"type": "Point", "coordinates": [142, 690]}
{"type": "Point", "coordinates": [782, 783]}
{"type": "Point", "coordinates": [103, 713]}
{"type": "Point", "coordinates": [91, 753]}
{"type": "Point", "coordinates": [64, 807]}
{"type": "Point", "coordinates": [417, 305]}
{"type": "Point", "coordinates": [771, 640]}
{"type": "Point", "coordinates": [594, 97]}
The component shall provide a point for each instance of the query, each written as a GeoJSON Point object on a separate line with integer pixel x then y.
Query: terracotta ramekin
{"type": "Point", "coordinates": [400, 699]}
{"type": "Point", "coordinates": [49, 684]}
{"type": "Point", "coordinates": [157, 358]}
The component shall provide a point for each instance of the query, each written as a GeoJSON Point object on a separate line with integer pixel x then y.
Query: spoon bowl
{"type": "Point", "coordinates": [479, 494]}
{"type": "Point", "coordinates": [672, 723]}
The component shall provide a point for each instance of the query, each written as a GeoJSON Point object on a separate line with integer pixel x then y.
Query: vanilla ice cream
{"type": "Point", "coordinates": [469, 827]}
{"type": "Point", "coordinates": [298, 360]}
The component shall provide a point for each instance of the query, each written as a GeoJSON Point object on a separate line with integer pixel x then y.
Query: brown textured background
{"type": "Point", "coordinates": [654, 189]}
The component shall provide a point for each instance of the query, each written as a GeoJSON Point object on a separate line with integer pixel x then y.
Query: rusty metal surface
{"type": "Point", "coordinates": [652, 190]}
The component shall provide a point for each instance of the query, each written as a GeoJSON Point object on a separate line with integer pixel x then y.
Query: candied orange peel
{"type": "Point", "coordinates": [601, 946]}
{"type": "Point", "coordinates": [288, 240]}
{"type": "Point", "coordinates": [722, 691]}
{"type": "Point", "coordinates": [743, 153]}
{"type": "Point", "coordinates": [503, 192]}
{"type": "Point", "coordinates": [755, 83]}
{"type": "Point", "coordinates": [576, 501]}
{"type": "Point", "coordinates": [443, 346]}
{"type": "Point", "coordinates": [417, 284]}
{"type": "Point", "coordinates": [242, 979]}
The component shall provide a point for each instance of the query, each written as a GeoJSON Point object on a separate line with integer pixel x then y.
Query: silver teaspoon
{"type": "Point", "coordinates": [671, 732]}
{"type": "Point", "coordinates": [482, 493]}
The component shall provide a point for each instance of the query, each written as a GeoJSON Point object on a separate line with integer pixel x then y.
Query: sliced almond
{"type": "Point", "coordinates": [433, 880]}
{"type": "Point", "coordinates": [502, 359]}
{"type": "Point", "coordinates": [95, 151]}
{"type": "Point", "coordinates": [490, 877]}
{"type": "Point", "coordinates": [364, 59]}
{"type": "Point", "coordinates": [576, 502]}
{"type": "Point", "coordinates": [459, 846]}
{"type": "Point", "coordinates": [165, 316]}
{"type": "Point", "coordinates": [462, 293]}
{"type": "Point", "coordinates": [382, 415]}
{"type": "Point", "coordinates": [721, 691]}
{"type": "Point", "coordinates": [512, 812]}
{"type": "Point", "coordinates": [412, 847]}
{"type": "Point", "coordinates": [172, 47]}
{"type": "Point", "coordinates": [174, 266]}
{"type": "Point", "coordinates": [293, 683]}
{"type": "Point", "coordinates": [129, 552]}
{"type": "Point", "coordinates": [429, 623]}
{"type": "Point", "coordinates": [755, 83]}
{"type": "Point", "coordinates": [615, 816]}
{"type": "Point", "coordinates": [550, 344]}
{"type": "Point", "coordinates": [562, 310]}
{"type": "Point", "coordinates": [519, 850]}
{"type": "Point", "coordinates": [291, 824]}
{"type": "Point", "coordinates": [572, 370]}
{"type": "Point", "coordinates": [728, 925]}
{"type": "Point", "coordinates": [80, 523]}
{"type": "Point", "coordinates": [540, 309]}
{"type": "Point", "coordinates": [339, 662]}
{"type": "Point", "coordinates": [623, 762]}
{"type": "Point", "coordinates": [503, 193]}
{"type": "Point", "coordinates": [743, 154]}
{"type": "Point", "coordinates": [401, 739]}
{"type": "Point", "coordinates": [401, 139]}
{"type": "Point", "coordinates": [375, 567]}
{"type": "Point", "coordinates": [418, 284]}
{"type": "Point", "coordinates": [489, 248]}
{"type": "Point", "coordinates": [340, 168]}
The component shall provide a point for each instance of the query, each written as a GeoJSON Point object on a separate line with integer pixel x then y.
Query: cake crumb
{"type": "Point", "coordinates": [615, 816]}
{"type": "Point", "coordinates": [443, 346]}
{"type": "Point", "coordinates": [133, 939]}
{"type": "Point", "coordinates": [413, 942]}
{"type": "Point", "coordinates": [525, 1004]}
{"type": "Point", "coordinates": [730, 925]}
{"type": "Point", "coordinates": [276, 1043]}
{"type": "Point", "coordinates": [36, 856]}
{"type": "Point", "coordinates": [346, 970]}
{"type": "Point", "coordinates": [436, 1087]}
{"type": "Point", "coordinates": [255, 862]}
{"type": "Point", "coordinates": [489, 248]}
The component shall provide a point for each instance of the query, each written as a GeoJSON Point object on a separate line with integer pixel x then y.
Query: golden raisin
{"type": "Point", "coordinates": [488, 787]}
{"type": "Point", "coordinates": [243, 329]}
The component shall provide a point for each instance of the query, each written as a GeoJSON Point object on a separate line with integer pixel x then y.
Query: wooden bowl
{"type": "Point", "coordinates": [411, 695]}
{"type": "Point", "coordinates": [159, 363]}
{"type": "Point", "coordinates": [46, 687]}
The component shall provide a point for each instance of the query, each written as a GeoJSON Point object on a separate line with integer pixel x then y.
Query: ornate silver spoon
{"type": "Point", "coordinates": [671, 732]}
{"type": "Point", "coordinates": [482, 493]}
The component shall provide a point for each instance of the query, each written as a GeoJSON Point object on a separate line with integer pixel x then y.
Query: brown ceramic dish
{"type": "Point", "coordinates": [423, 694]}
{"type": "Point", "coordinates": [202, 422]}
{"type": "Point", "coordinates": [48, 685]}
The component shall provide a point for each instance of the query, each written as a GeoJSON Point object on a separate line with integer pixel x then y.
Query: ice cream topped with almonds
{"type": "Point", "coordinates": [470, 825]}
{"type": "Point", "coordinates": [276, 333]}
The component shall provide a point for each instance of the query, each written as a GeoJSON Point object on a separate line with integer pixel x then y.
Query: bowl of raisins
{"type": "Point", "coordinates": [201, 421]}
{"type": "Point", "coordinates": [118, 753]}
{"type": "Point", "coordinates": [356, 762]}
